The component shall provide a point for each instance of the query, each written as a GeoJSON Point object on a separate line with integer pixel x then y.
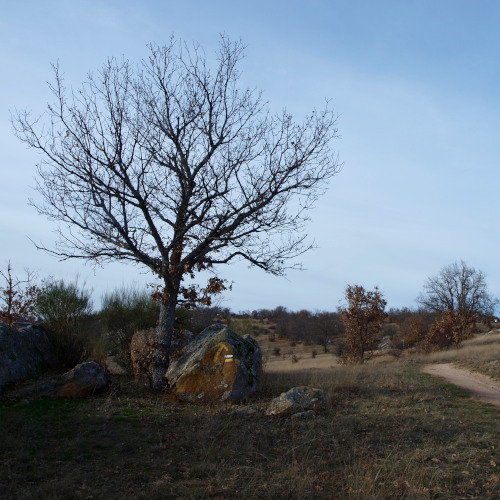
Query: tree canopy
{"type": "Point", "coordinates": [363, 318]}
{"type": "Point", "coordinates": [170, 164]}
{"type": "Point", "coordinates": [459, 293]}
{"type": "Point", "coordinates": [460, 288]}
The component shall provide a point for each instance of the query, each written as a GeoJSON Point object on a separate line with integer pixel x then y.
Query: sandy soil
{"type": "Point", "coordinates": [480, 386]}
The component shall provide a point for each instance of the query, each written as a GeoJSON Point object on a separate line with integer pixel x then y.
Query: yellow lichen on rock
{"type": "Point", "coordinates": [217, 365]}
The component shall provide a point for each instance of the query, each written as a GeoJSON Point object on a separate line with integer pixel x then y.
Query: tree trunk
{"type": "Point", "coordinates": [164, 338]}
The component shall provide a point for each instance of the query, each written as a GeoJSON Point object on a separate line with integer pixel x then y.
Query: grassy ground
{"type": "Point", "coordinates": [281, 355]}
{"type": "Point", "coordinates": [388, 432]}
{"type": "Point", "coordinates": [481, 353]}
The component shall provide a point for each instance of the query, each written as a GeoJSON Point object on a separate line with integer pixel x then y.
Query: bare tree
{"type": "Point", "coordinates": [460, 291]}
{"type": "Point", "coordinates": [326, 327]}
{"type": "Point", "coordinates": [171, 165]}
{"type": "Point", "coordinates": [363, 319]}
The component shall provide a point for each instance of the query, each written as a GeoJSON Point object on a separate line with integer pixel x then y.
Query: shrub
{"type": "Point", "coordinates": [414, 328]}
{"type": "Point", "coordinates": [449, 329]}
{"type": "Point", "coordinates": [64, 310]}
{"type": "Point", "coordinates": [60, 304]}
{"type": "Point", "coordinates": [398, 344]}
{"type": "Point", "coordinates": [241, 326]}
{"type": "Point", "coordinates": [202, 317]}
{"type": "Point", "coordinates": [125, 311]}
{"type": "Point", "coordinates": [18, 297]}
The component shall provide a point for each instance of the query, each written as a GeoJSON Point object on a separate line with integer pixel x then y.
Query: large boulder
{"type": "Point", "coordinates": [217, 365]}
{"type": "Point", "coordinates": [299, 399]}
{"type": "Point", "coordinates": [24, 352]}
{"type": "Point", "coordinates": [83, 380]}
{"type": "Point", "coordinates": [143, 346]}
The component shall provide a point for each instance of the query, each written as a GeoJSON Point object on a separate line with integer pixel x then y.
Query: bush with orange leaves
{"type": "Point", "coordinates": [449, 329]}
{"type": "Point", "coordinates": [363, 319]}
{"type": "Point", "coordinates": [18, 297]}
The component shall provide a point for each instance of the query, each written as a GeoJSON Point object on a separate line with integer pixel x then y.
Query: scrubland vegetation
{"type": "Point", "coordinates": [388, 430]}
{"type": "Point", "coordinates": [481, 353]}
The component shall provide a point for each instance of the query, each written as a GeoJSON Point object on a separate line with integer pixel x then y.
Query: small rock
{"type": "Point", "coordinates": [83, 380]}
{"type": "Point", "coordinates": [247, 411]}
{"type": "Point", "coordinates": [298, 399]}
{"type": "Point", "coordinates": [385, 344]}
{"type": "Point", "coordinates": [304, 415]}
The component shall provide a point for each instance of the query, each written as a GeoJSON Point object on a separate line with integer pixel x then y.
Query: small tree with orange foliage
{"type": "Point", "coordinates": [449, 329]}
{"type": "Point", "coordinates": [363, 319]}
{"type": "Point", "coordinates": [413, 329]}
{"type": "Point", "coordinates": [18, 297]}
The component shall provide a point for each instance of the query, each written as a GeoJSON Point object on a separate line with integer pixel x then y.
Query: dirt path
{"type": "Point", "coordinates": [480, 386]}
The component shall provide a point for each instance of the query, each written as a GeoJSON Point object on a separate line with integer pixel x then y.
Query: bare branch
{"type": "Point", "coordinates": [170, 164]}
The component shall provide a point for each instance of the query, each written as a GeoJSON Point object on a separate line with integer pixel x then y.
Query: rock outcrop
{"type": "Point", "coordinates": [83, 380]}
{"type": "Point", "coordinates": [217, 365]}
{"type": "Point", "coordinates": [385, 344]}
{"type": "Point", "coordinates": [297, 400]}
{"type": "Point", "coordinates": [24, 352]}
{"type": "Point", "coordinates": [143, 346]}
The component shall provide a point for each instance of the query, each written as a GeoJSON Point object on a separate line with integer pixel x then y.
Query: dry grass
{"type": "Point", "coordinates": [388, 432]}
{"type": "Point", "coordinates": [480, 353]}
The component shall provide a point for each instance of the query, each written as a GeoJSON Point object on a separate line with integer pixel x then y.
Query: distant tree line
{"type": "Point", "coordinates": [451, 307]}
{"type": "Point", "coordinates": [452, 304]}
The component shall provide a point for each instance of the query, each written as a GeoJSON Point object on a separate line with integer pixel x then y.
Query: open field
{"type": "Point", "coordinates": [293, 358]}
{"type": "Point", "coordinates": [389, 431]}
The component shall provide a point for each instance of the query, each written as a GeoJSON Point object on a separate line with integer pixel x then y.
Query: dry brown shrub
{"type": "Point", "coordinates": [448, 330]}
{"type": "Point", "coordinates": [363, 320]}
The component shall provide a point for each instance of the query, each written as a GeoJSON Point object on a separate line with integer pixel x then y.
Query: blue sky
{"type": "Point", "coordinates": [415, 84]}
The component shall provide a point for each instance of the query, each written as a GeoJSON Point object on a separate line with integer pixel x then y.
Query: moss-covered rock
{"type": "Point", "coordinates": [298, 399]}
{"type": "Point", "coordinates": [217, 365]}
